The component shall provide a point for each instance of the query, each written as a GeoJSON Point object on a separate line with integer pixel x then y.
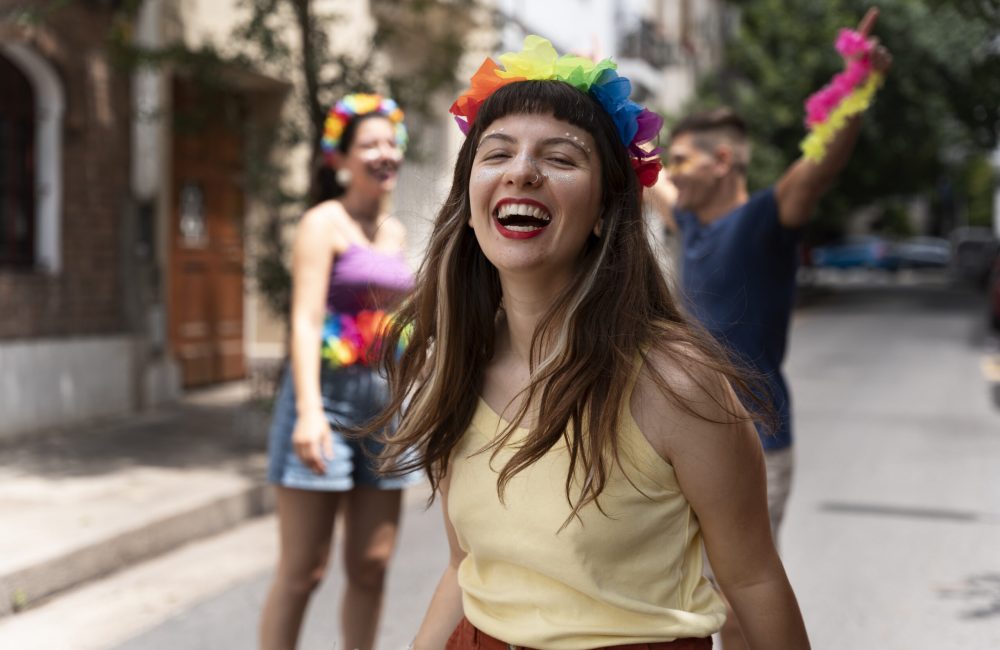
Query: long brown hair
{"type": "Point", "coordinates": [586, 346]}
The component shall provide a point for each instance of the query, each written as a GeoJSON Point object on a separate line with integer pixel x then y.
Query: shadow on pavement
{"type": "Point", "coordinates": [187, 435]}
{"type": "Point", "coordinates": [984, 588]}
{"type": "Point", "coordinates": [910, 512]}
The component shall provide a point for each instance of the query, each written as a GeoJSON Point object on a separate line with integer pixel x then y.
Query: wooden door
{"type": "Point", "coordinates": [206, 249]}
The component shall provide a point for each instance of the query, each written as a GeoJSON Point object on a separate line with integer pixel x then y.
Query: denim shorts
{"type": "Point", "coordinates": [352, 395]}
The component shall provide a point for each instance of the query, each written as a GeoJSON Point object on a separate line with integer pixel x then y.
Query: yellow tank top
{"type": "Point", "coordinates": [633, 575]}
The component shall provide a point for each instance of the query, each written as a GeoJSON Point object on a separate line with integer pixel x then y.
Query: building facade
{"type": "Point", "coordinates": [66, 349]}
{"type": "Point", "coordinates": [128, 224]}
{"type": "Point", "coordinates": [122, 218]}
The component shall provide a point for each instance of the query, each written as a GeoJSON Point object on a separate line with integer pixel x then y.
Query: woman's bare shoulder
{"type": "Point", "coordinates": [680, 394]}
{"type": "Point", "coordinates": [327, 213]}
{"type": "Point", "coordinates": [682, 368]}
{"type": "Point", "coordinates": [323, 224]}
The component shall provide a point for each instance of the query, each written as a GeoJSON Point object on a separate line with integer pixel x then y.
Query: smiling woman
{"type": "Point", "coordinates": [584, 437]}
{"type": "Point", "coordinates": [349, 271]}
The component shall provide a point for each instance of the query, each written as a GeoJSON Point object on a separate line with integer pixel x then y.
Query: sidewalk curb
{"type": "Point", "coordinates": [31, 585]}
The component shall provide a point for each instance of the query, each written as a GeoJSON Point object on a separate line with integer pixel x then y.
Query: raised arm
{"type": "Point", "coordinates": [799, 190]}
{"type": "Point", "coordinates": [720, 469]}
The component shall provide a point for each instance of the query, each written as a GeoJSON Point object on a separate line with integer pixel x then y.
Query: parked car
{"type": "Point", "coordinates": [974, 251]}
{"type": "Point", "coordinates": [994, 294]}
{"type": "Point", "coordinates": [923, 253]}
{"type": "Point", "coordinates": [865, 251]}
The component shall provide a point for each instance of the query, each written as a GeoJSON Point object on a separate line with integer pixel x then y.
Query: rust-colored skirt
{"type": "Point", "coordinates": [467, 637]}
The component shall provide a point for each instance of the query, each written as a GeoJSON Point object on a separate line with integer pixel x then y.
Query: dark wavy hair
{"type": "Point", "coordinates": [617, 309]}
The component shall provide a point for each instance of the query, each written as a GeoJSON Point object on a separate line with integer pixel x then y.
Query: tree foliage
{"type": "Point", "coordinates": [939, 107]}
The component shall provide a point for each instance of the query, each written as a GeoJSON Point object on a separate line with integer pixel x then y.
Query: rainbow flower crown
{"type": "Point", "coordinates": [538, 60]}
{"type": "Point", "coordinates": [360, 104]}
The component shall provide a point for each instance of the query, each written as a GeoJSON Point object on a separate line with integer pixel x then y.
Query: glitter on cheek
{"type": "Point", "coordinates": [482, 183]}
{"type": "Point", "coordinates": [486, 174]}
{"type": "Point", "coordinates": [562, 177]}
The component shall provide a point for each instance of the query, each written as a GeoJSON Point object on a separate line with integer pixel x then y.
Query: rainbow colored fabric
{"type": "Point", "coordinates": [360, 104]}
{"type": "Point", "coordinates": [350, 339]}
{"type": "Point", "coordinates": [538, 60]}
{"type": "Point", "coordinates": [849, 92]}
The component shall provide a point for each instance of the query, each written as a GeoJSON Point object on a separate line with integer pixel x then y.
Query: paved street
{"type": "Point", "coordinates": [894, 527]}
{"type": "Point", "coordinates": [891, 538]}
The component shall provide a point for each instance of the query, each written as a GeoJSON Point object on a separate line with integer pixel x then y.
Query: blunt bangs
{"type": "Point", "coordinates": [542, 98]}
{"type": "Point", "coordinates": [566, 103]}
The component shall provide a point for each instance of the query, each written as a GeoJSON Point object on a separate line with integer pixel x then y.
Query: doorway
{"type": "Point", "coordinates": [206, 264]}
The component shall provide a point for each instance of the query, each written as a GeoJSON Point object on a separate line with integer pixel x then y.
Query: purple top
{"type": "Point", "coordinates": [365, 278]}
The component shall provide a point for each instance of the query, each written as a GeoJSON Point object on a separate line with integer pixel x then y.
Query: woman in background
{"type": "Point", "coordinates": [348, 271]}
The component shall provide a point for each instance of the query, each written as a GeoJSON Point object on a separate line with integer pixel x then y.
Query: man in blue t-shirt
{"type": "Point", "coordinates": [740, 255]}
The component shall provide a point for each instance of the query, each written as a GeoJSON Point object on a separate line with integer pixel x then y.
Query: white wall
{"type": "Point", "coordinates": [56, 382]}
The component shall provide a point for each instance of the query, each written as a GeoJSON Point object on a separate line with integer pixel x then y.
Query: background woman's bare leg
{"type": "Point", "coordinates": [371, 522]}
{"type": "Point", "coordinates": [306, 523]}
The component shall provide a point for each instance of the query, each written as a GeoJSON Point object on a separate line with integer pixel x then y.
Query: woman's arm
{"type": "Point", "coordinates": [445, 610]}
{"type": "Point", "coordinates": [312, 256]}
{"type": "Point", "coordinates": [719, 465]}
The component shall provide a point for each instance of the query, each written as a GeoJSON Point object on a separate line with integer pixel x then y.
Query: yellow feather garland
{"type": "Point", "coordinates": [814, 145]}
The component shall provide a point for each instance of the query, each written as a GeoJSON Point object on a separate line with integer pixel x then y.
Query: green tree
{"type": "Point", "coordinates": [940, 104]}
{"type": "Point", "coordinates": [976, 182]}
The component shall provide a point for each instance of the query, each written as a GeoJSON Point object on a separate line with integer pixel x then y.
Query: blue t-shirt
{"type": "Point", "coordinates": [738, 278]}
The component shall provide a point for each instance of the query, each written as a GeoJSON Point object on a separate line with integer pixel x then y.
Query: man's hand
{"type": "Point", "coordinates": [799, 190]}
{"type": "Point", "coordinates": [880, 57]}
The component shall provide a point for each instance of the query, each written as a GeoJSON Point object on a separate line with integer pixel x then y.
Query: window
{"type": "Point", "coordinates": [17, 169]}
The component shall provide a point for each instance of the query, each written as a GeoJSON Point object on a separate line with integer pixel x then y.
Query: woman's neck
{"type": "Point", "coordinates": [365, 209]}
{"type": "Point", "coordinates": [525, 303]}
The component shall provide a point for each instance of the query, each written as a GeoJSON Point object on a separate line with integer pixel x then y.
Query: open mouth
{"type": "Point", "coordinates": [522, 217]}
{"type": "Point", "coordinates": [383, 171]}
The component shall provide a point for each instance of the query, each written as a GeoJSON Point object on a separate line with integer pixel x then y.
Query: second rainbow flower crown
{"type": "Point", "coordinates": [538, 60]}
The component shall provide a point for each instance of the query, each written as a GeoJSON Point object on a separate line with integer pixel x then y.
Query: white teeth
{"type": "Point", "coordinates": [522, 228]}
{"type": "Point", "coordinates": [508, 209]}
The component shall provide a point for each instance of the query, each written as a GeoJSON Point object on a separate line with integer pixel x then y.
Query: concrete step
{"type": "Point", "coordinates": [79, 505]}
{"type": "Point", "coordinates": [190, 597]}
{"type": "Point", "coordinates": [106, 612]}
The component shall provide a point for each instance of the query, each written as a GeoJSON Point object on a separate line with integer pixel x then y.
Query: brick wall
{"type": "Point", "coordinates": [86, 297]}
